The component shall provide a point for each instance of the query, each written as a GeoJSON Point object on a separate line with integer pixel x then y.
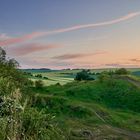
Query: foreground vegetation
{"type": "Point", "coordinates": [18, 119]}
{"type": "Point", "coordinates": [100, 105]}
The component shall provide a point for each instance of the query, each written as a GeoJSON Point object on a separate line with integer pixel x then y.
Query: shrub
{"type": "Point", "coordinates": [83, 75]}
{"type": "Point", "coordinates": [38, 76]}
{"type": "Point", "coordinates": [39, 84]}
{"type": "Point", "coordinates": [121, 71]}
{"type": "Point", "coordinates": [39, 126]}
{"type": "Point", "coordinates": [18, 121]}
{"type": "Point", "coordinates": [45, 77]}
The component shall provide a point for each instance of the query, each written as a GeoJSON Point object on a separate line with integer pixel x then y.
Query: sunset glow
{"type": "Point", "coordinates": [62, 34]}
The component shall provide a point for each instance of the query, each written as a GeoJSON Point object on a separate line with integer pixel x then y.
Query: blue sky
{"type": "Point", "coordinates": [104, 46]}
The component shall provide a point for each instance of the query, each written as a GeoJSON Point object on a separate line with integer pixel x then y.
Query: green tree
{"type": "Point", "coordinates": [18, 120]}
{"type": "Point", "coordinates": [83, 75]}
{"type": "Point", "coordinates": [121, 71]}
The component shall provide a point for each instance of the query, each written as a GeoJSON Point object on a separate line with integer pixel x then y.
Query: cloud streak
{"type": "Point", "coordinates": [135, 60]}
{"type": "Point", "coordinates": [78, 27]}
{"type": "Point", "coordinates": [34, 35]}
{"type": "Point", "coordinates": [21, 39]}
{"type": "Point", "coordinates": [31, 48]}
{"type": "Point", "coordinates": [78, 55]}
{"type": "Point", "coordinates": [120, 65]}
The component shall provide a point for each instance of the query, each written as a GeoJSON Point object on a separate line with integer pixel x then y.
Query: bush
{"type": "Point", "coordinates": [18, 120]}
{"type": "Point", "coordinates": [83, 75]}
{"type": "Point", "coordinates": [37, 125]}
{"type": "Point", "coordinates": [38, 75]}
{"type": "Point", "coordinates": [45, 77]}
{"type": "Point", "coordinates": [121, 71]}
{"type": "Point", "coordinates": [39, 84]}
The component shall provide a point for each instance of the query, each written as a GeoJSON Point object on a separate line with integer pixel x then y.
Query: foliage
{"type": "Point", "coordinates": [37, 125]}
{"type": "Point", "coordinates": [38, 75]}
{"type": "Point", "coordinates": [9, 71]}
{"type": "Point", "coordinates": [83, 75]}
{"type": "Point", "coordinates": [39, 84]}
{"type": "Point", "coordinates": [28, 73]}
{"type": "Point", "coordinates": [121, 71]}
{"type": "Point", "coordinates": [90, 105]}
{"type": "Point", "coordinates": [102, 77]}
{"type": "Point", "coordinates": [18, 120]}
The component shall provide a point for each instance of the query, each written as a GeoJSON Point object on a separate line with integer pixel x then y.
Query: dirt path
{"type": "Point", "coordinates": [131, 80]}
{"type": "Point", "coordinates": [131, 134]}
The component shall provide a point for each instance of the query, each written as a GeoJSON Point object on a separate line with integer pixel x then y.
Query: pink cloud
{"type": "Point", "coordinates": [4, 37]}
{"type": "Point", "coordinates": [119, 65]}
{"type": "Point", "coordinates": [135, 60]}
{"type": "Point", "coordinates": [78, 27]}
{"type": "Point", "coordinates": [21, 39]}
{"type": "Point", "coordinates": [33, 35]}
{"type": "Point", "coordinates": [31, 48]}
{"type": "Point", "coordinates": [77, 55]}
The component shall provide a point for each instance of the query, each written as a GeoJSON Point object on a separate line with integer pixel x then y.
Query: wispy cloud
{"type": "Point", "coordinates": [114, 65]}
{"type": "Point", "coordinates": [62, 30]}
{"type": "Point", "coordinates": [77, 55]}
{"type": "Point", "coordinates": [120, 65]}
{"type": "Point", "coordinates": [4, 36]}
{"type": "Point", "coordinates": [78, 27]}
{"type": "Point", "coordinates": [31, 48]}
{"type": "Point", "coordinates": [135, 60]}
{"type": "Point", "coordinates": [11, 41]}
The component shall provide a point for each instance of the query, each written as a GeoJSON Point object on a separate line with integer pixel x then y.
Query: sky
{"type": "Point", "coordinates": [61, 34]}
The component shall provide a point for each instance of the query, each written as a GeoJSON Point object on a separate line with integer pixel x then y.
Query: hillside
{"type": "Point", "coordinates": [93, 110]}
{"type": "Point", "coordinates": [67, 75]}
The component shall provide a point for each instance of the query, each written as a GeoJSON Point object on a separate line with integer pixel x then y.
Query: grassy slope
{"type": "Point", "coordinates": [66, 76]}
{"type": "Point", "coordinates": [55, 77]}
{"type": "Point", "coordinates": [106, 110]}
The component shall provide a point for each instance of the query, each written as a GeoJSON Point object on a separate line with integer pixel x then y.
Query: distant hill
{"type": "Point", "coordinates": [39, 70]}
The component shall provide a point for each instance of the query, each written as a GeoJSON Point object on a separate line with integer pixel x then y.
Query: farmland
{"type": "Point", "coordinates": [65, 76]}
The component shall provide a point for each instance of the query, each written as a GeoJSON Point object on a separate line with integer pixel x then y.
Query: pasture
{"type": "Point", "coordinates": [66, 76]}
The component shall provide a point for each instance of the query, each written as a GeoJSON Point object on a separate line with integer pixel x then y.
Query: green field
{"type": "Point", "coordinates": [104, 108]}
{"type": "Point", "coordinates": [100, 110]}
{"type": "Point", "coordinates": [66, 76]}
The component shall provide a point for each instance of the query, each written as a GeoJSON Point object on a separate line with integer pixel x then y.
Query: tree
{"type": "Point", "coordinates": [83, 75]}
{"type": "Point", "coordinates": [9, 70]}
{"type": "Point", "coordinates": [18, 120]}
{"type": "Point", "coordinates": [2, 55]}
{"type": "Point", "coordinates": [121, 71]}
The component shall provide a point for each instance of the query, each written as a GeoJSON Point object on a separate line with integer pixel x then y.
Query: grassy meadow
{"type": "Point", "coordinates": [100, 110]}
{"type": "Point", "coordinates": [86, 110]}
{"type": "Point", "coordinates": [66, 76]}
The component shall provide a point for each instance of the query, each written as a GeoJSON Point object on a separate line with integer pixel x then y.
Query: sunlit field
{"type": "Point", "coordinates": [65, 76]}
